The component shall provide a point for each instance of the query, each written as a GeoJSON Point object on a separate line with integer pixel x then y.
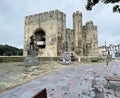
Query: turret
{"type": "Point", "coordinates": [77, 27]}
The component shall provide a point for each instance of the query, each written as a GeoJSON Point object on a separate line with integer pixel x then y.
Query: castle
{"type": "Point", "coordinates": [52, 37]}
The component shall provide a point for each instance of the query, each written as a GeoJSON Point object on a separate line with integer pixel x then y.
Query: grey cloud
{"type": "Point", "coordinates": [12, 15]}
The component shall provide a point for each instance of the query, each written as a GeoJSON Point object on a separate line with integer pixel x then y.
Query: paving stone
{"type": "Point", "coordinates": [61, 83]}
{"type": "Point", "coordinates": [35, 82]}
{"type": "Point", "coordinates": [75, 90]}
{"type": "Point", "coordinates": [69, 82]}
{"type": "Point", "coordinates": [50, 85]}
{"type": "Point", "coordinates": [28, 94]}
{"type": "Point", "coordinates": [69, 95]}
{"type": "Point", "coordinates": [15, 89]}
{"type": "Point", "coordinates": [7, 95]}
{"type": "Point", "coordinates": [19, 92]}
{"type": "Point", "coordinates": [26, 87]}
{"type": "Point", "coordinates": [14, 97]}
{"type": "Point", "coordinates": [65, 88]}
{"type": "Point", "coordinates": [85, 96]}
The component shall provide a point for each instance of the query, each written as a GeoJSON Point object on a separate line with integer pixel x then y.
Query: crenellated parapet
{"type": "Point", "coordinates": [89, 26]}
{"type": "Point", "coordinates": [46, 16]}
{"type": "Point", "coordinates": [77, 13]}
{"type": "Point", "coordinates": [91, 38]}
{"type": "Point", "coordinates": [69, 31]}
{"type": "Point", "coordinates": [89, 23]}
{"type": "Point", "coordinates": [50, 27]}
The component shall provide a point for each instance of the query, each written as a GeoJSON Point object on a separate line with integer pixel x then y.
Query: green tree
{"type": "Point", "coordinates": [6, 50]}
{"type": "Point", "coordinates": [116, 7]}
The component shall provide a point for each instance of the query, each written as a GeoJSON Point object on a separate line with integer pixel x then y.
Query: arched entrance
{"type": "Point", "coordinates": [40, 38]}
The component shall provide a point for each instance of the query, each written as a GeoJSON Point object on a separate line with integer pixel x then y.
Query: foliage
{"type": "Point", "coordinates": [6, 50]}
{"type": "Point", "coordinates": [95, 59]}
{"type": "Point", "coordinates": [91, 3]}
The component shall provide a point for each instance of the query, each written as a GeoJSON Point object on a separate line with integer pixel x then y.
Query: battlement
{"type": "Point", "coordinates": [95, 27]}
{"type": "Point", "coordinates": [89, 25]}
{"type": "Point", "coordinates": [77, 13]}
{"type": "Point", "coordinates": [80, 40]}
{"type": "Point", "coordinates": [49, 15]}
{"type": "Point", "coordinates": [69, 30]}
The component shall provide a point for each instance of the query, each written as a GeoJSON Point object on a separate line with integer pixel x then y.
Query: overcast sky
{"type": "Point", "coordinates": [12, 13]}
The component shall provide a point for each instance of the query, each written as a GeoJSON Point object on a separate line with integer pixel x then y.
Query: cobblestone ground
{"type": "Point", "coordinates": [85, 81]}
{"type": "Point", "coordinates": [12, 74]}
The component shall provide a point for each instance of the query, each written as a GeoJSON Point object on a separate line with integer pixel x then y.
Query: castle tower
{"type": "Point", "coordinates": [46, 28]}
{"type": "Point", "coordinates": [91, 42]}
{"type": "Point", "coordinates": [77, 27]}
{"type": "Point", "coordinates": [52, 38]}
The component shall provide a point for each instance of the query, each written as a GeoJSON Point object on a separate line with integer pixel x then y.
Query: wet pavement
{"type": "Point", "coordinates": [85, 81]}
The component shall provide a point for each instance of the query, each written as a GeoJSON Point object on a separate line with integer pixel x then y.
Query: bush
{"type": "Point", "coordinates": [93, 59]}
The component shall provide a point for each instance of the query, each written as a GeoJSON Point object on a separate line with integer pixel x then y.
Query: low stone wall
{"type": "Point", "coordinates": [50, 58]}
{"type": "Point", "coordinates": [12, 58]}
{"type": "Point", "coordinates": [21, 59]}
{"type": "Point", "coordinates": [92, 59]}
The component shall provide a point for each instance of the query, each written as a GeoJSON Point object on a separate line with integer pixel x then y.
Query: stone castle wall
{"type": "Point", "coordinates": [81, 40]}
{"type": "Point", "coordinates": [70, 40]}
{"type": "Point", "coordinates": [77, 27]}
{"type": "Point", "coordinates": [91, 41]}
{"type": "Point", "coordinates": [42, 17]}
{"type": "Point", "coordinates": [52, 23]}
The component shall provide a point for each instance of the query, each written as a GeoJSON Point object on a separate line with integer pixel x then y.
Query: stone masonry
{"type": "Point", "coordinates": [50, 28]}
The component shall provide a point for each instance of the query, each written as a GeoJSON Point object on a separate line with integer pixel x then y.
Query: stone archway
{"type": "Point", "coordinates": [40, 38]}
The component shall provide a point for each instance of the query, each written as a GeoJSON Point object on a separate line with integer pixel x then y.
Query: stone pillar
{"type": "Point", "coordinates": [31, 59]}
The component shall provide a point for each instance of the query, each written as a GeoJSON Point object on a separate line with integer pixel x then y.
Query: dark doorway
{"type": "Point", "coordinates": [40, 38]}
